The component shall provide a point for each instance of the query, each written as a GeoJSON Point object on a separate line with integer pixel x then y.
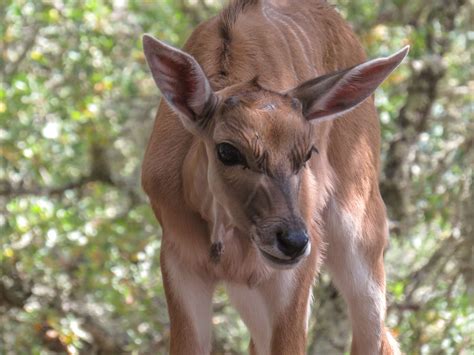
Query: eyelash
{"type": "Point", "coordinates": [309, 155]}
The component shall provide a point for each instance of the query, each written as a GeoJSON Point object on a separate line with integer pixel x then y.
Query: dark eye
{"type": "Point", "coordinates": [230, 155]}
{"type": "Point", "coordinates": [308, 156]}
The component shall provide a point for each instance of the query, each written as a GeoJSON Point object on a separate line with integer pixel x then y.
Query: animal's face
{"type": "Point", "coordinates": [257, 141]}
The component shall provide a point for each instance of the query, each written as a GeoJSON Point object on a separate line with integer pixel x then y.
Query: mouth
{"type": "Point", "coordinates": [281, 263]}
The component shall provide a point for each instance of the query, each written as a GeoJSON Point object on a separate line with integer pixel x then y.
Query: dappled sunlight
{"type": "Point", "coordinates": [79, 244]}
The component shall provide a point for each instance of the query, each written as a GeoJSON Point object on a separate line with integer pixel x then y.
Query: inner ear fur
{"type": "Point", "coordinates": [182, 82]}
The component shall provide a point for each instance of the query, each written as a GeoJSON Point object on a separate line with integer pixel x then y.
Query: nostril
{"type": "Point", "coordinates": [303, 241]}
{"type": "Point", "coordinates": [292, 244]}
{"type": "Point", "coordinates": [284, 243]}
{"type": "Point", "coordinates": [280, 234]}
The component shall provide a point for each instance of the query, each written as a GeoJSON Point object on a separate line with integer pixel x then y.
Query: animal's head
{"type": "Point", "coordinates": [258, 142]}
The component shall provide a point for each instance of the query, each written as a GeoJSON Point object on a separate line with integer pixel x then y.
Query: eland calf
{"type": "Point", "coordinates": [262, 165]}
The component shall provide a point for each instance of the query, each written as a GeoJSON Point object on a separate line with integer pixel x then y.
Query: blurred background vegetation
{"type": "Point", "coordinates": [79, 246]}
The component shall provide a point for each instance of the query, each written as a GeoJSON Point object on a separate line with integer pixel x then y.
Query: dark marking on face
{"type": "Point", "coordinates": [255, 83]}
{"type": "Point", "coordinates": [296, 105]}
{"type": "Point", "coordinates": [289, 194]}
{"type": "Point", "coordinates": [231, 102]}
{"type": "Point", "coordinates": [262, 162]}
{"type": "Point", "coordinates": [299, 157]}
{"type": "Point", "coordinates": [217, 249]}
{"type": "Point", "coordinates": [204, 119]}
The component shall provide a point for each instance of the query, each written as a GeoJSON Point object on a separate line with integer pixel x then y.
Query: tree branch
{"type": "Point", "coordinates": [12, 68]}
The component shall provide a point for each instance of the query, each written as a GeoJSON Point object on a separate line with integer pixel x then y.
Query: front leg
{"type": "Point", "coordinates": [189, 298]}
{"type": "Point", "coordinates": [354, 258]}
{"type": "Point", "coordinates": [276, 312]}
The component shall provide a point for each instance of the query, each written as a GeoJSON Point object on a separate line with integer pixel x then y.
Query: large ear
{"type": "Point", "coordinates": [182, 82]}
{"type": "Point", "coordinates": [328, 96]}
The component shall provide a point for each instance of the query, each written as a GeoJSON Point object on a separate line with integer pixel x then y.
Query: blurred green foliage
{"type": "Point", "coordinates": [79, 256]}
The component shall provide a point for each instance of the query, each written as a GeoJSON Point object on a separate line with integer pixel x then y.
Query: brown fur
{"type": "Point", "coordinates": [251, 55]}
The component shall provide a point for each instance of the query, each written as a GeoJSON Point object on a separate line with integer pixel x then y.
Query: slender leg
{"type": "Point", "coordinates": [189, 298]}
{"type": "Point", "coordinates": [355, 260]}
{"type": "Point", "coordinates": [252, 350]}
{"type": "Point", "coordinates": [276, 312]}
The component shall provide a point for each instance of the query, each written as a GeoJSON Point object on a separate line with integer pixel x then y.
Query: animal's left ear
{"type": "Point", "coordinates": [329, 96]}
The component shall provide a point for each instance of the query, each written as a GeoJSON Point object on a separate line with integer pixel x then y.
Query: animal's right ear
{"type": "Point", "coordinates": [182, 82]}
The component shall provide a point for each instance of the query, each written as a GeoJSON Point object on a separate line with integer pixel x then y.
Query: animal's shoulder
{"type": "Point", "coordinates": [162, 164]}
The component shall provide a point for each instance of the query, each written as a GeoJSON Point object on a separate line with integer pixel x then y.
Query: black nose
{"type": "Point", "coordinates": [292, 243]}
